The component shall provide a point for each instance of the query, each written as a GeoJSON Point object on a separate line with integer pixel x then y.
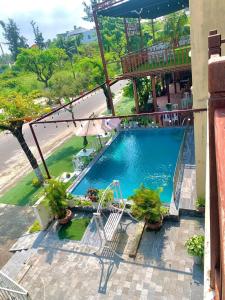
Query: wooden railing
{"type": "Point", "coordinates": [147, 60]}
{"type": "Point", "coordinates": [216, 129]}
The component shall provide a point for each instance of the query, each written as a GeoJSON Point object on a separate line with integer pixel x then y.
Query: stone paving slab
{"type": "Point", "coordinates": [162, 269]}
{"type": "Point", "coordinates": [14, 221]}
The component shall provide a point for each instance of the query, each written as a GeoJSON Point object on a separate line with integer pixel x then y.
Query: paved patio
{"type": "Point", "coordinates": [161, 270]}
{"type": "Point", "coordinates": [14, 220]}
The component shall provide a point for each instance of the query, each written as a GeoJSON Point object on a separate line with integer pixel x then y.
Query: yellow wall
{"type": "Point", "coordinates": [206, 15]}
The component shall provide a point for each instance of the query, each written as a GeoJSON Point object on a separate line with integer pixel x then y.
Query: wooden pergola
{"type": "Point", "coordinates": [133, 63]}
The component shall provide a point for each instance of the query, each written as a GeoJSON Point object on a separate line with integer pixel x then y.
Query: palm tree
{"type": "Point", "coordinates": [176, 25]}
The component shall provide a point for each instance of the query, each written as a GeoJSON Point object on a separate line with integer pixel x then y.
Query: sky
{"type": "Point", "coordinates": [52, 16]}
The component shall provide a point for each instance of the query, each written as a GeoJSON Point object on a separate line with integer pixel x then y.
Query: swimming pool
{"type": "Point", "coordinates": [137, 156]}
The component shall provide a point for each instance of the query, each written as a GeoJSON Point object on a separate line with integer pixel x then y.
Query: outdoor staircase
{"type": "Point", "coordinates": [16, 263]}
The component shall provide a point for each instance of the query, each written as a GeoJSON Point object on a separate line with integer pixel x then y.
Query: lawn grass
{"type": "Point", "coordinates": [74, 230]}
{"type": "Point", "coordinates": [124, 106]}
{"type": "Point", "coordinates": [24, 193]}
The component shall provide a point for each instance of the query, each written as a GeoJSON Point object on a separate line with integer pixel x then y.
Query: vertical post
{"type": "Point", "coordinates": [214, 43]}
{"type": "Point", "coordinates": [103, 60]}
{"type": "Point", "coordinates": [136, 95]}
{"type": "Point", "coordinates": [153, 30]}
{"type": "Point", "coordinates": [174, 82]}
{"type": "Point", "coordinates": [154, 93]}
{"type": "Point", "coordinates": [168, 91]}
{"type": "Point", "coordinates": [126, 35]}
{"type": "Point", "coordinates": [40, 152]}
{"type": "Point", "coordinates": [216, 84]}
{"type": "Point", "coordinates": [141, 34]}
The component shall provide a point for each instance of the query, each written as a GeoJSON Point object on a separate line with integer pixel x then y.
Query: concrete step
{"type": "Point", "coordinates": [17, 262]}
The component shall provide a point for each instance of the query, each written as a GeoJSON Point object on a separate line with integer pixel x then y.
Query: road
{"type": "Point", "coordinates": [13, 162]}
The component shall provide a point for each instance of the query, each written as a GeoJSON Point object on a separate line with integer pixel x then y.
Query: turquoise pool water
{"type": "Point", "coordinates": [135, 157]}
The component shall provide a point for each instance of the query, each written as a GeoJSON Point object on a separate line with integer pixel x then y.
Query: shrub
{"type": "Point", "coordinates": [195, 245]}
{"type": "Point", "coordinates": [35, 227]}
{"type": "Point", "coordinates": [147, 205]}
{"type": "Point", "coordinates": [55, 193]}
{"type": "Point", "coordinates": [200, 202]}
{"type": "Point", "coordinates": [108, 197]}
{"type": "Point", "coordinates": [36, 182]}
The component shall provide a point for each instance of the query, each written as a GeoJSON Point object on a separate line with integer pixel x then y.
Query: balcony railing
{"type": "Point", "coordinates": [148, 60]}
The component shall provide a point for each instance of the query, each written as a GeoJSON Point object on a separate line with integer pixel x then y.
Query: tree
{"type": "Point", "coordinates": [92, 73]}
{"type": "Point", "coordinates": [16, 111]}
{"type": "Point", "coordinates": [38, 37]}
{"type": "Point", "coordinates": [88, 10]}
{"type": "Point", "coordinates": [70, 45]}
{"type": "Point", "coordinates": [113, 36]}
{"type": "Point", "coordinates": [176, 25]}
{"type": "Point", "coordinates": [12, 35]}
{"type": "Point", "coordinates": [43, 63]}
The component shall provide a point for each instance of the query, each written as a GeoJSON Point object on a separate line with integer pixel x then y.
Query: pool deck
{"type": "Point", "coordinates": [188, 194]}
{"type": "Point", "coordinates": [161, 270]}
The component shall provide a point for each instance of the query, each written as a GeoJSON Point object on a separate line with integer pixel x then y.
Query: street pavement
{"type": "Point", "coordinates": [13, 162]}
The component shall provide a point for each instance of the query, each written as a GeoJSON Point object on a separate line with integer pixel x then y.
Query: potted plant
{"type": "Point", "coordinates": [148, 207]}
{"type": "Point", "coordinates": [55, 193]}
{"type": "Point", "coordinates": [92, 194]}
{"type": "Point", "coordinates": [195, 247]}
{"type": "Point", "coordinates": [200, 204]}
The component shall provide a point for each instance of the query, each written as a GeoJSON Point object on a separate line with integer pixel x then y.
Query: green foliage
{"type": "Point", "coordinates": [12, 34]}
{"type": "Point", "coordinates": [113, 36]}
{"type": "Point", "coordinates": [68, 44]}
{"type": "Point", "coordinates": [16, 110]}
{"type": "Point", "coordinates": [38, 37]}
{"type": "Point", "coordinates": [175, 26]}
{"type": "Point", "coordinates": [35, 227]}
{"type": "Point", "coordinates": [200, 202]}
{"type": "Point", "coordinates": [82, 202]}
{"type": "Point", "coordinates": [195, 245]}
{"type": "Point", "coordinates": [147, 205]}
{"type": "Point", "coordinates": [36, 182]}
{"type": "Point", "coordinates": [62, 85]}
{"type": "Point", "coordinates": [43, 63]}
{"type": "Point", "coordinates": [107, 197]}
{"type": "Point", "coordinates": [55, 193]}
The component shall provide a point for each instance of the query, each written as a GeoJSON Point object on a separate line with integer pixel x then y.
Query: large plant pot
{"type": "Point", "coordinates": [198, 260]}
{"type": "Point", "coordinates": [154, 226]}
{"type": "Point", "coordinates": [68, 217]}
{"type": "Point", "coordinates": [201, 209]}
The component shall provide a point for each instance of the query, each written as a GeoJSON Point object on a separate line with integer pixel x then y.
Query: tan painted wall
{"type": "Point", "coordinates": [206, 15]}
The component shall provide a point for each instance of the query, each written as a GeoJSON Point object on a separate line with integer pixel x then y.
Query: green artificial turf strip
{"type": "Point", "coordinates": [74, 230]}
{"type": "Point", "coordinates": [24, 193]}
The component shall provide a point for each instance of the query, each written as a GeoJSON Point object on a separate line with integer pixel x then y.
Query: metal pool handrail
{"type": "Point", "coordinates": [178, 165]}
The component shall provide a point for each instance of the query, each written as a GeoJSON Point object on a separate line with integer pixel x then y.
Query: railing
{"type": "Point", "coordinates": [179, 169]}
{"type": "Point", "coordinates": [147, 60]}
{"type": "Point", "coordinates": [9, 289]}
{"type": "Point", "coordinates": [216, 126]}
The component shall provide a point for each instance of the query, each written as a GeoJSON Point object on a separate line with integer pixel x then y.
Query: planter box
{"type": "Point", "coordinates": [43, 213]}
